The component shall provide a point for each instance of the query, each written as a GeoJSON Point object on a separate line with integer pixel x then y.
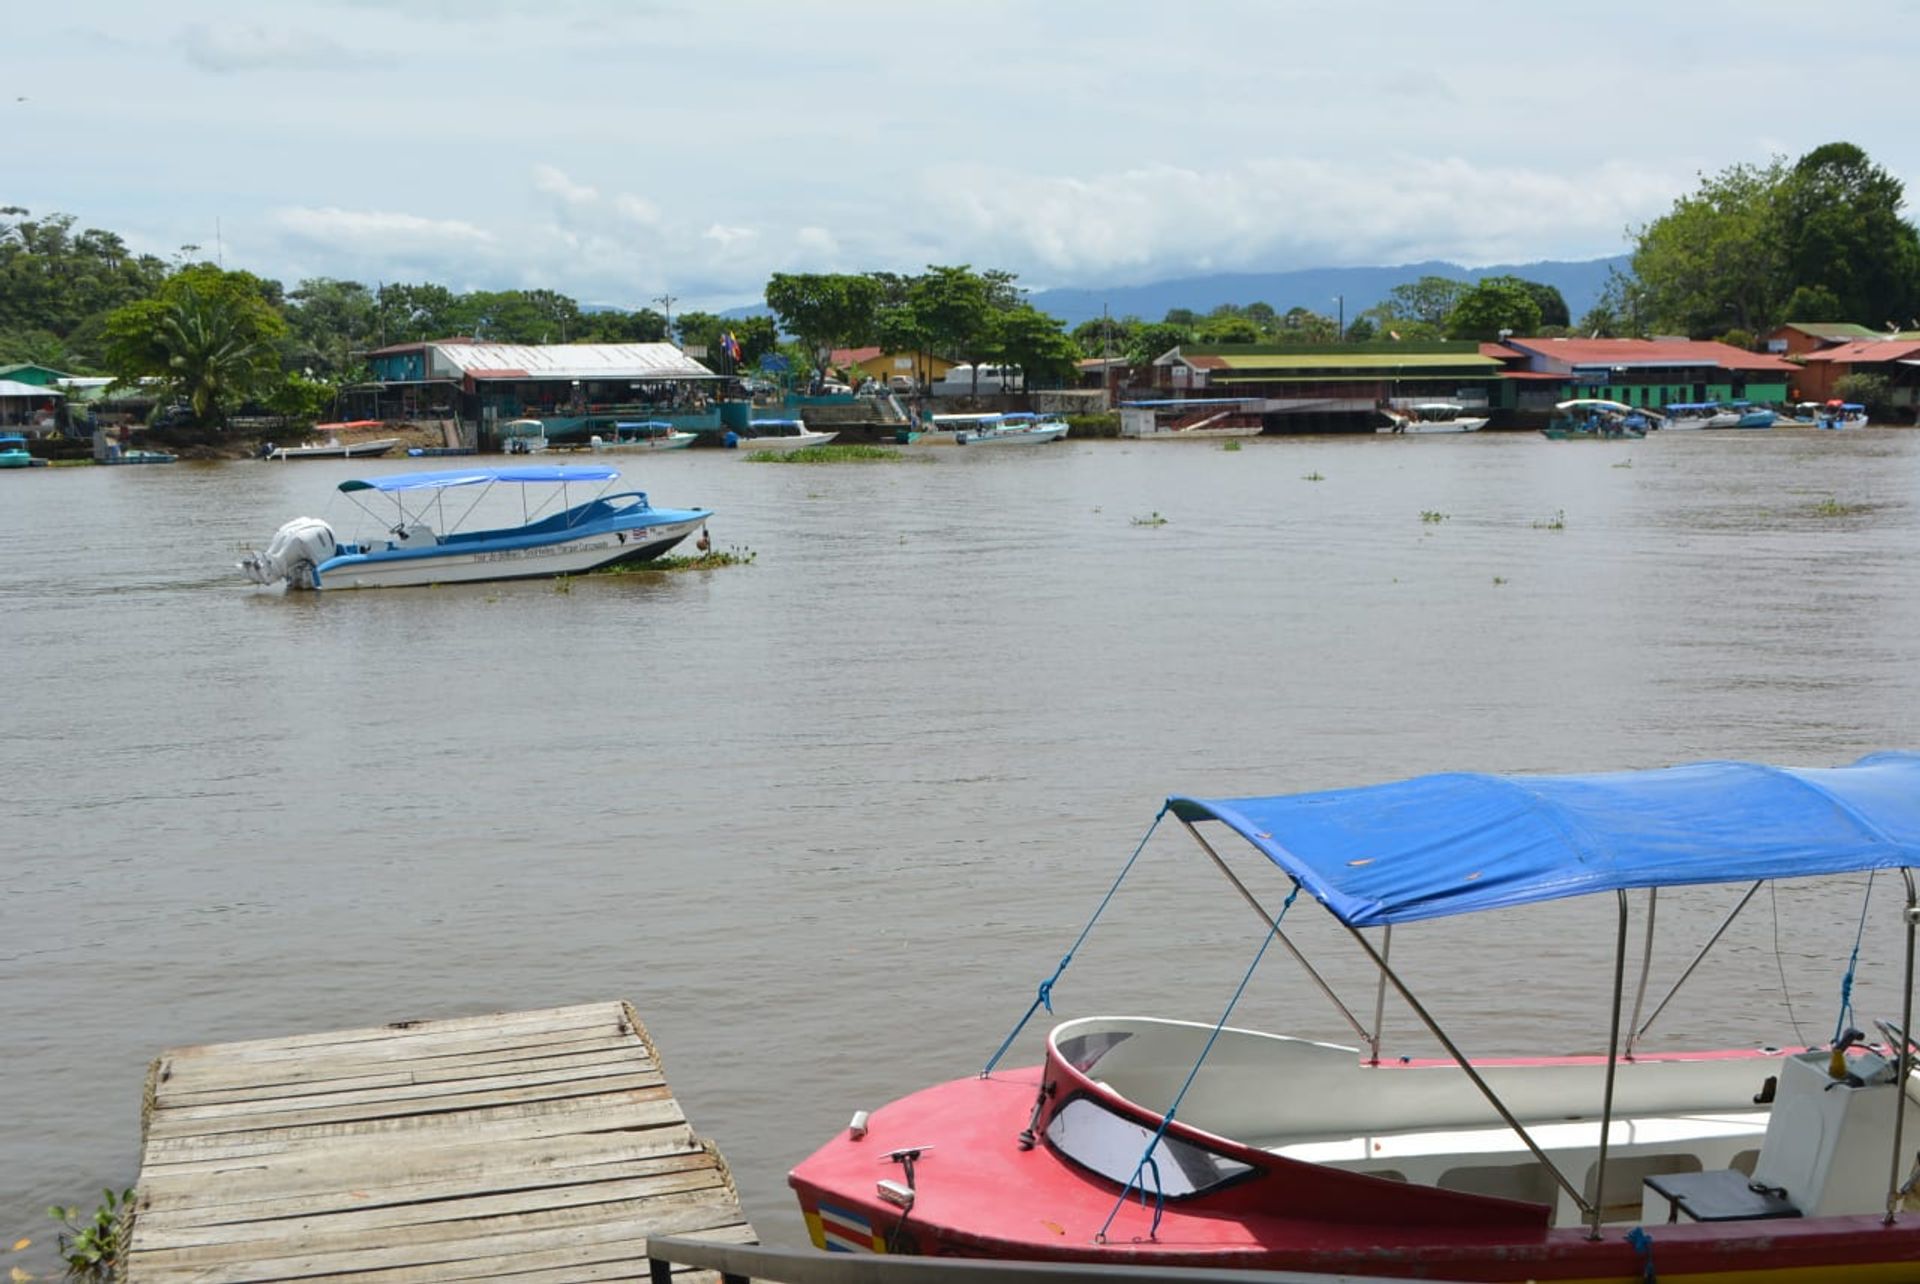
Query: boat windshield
{"type": "Point", "coordinates": [1090, 1134]}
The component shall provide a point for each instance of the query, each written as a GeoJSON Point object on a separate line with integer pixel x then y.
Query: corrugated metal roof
{"type": "Point", "coordinates": [1831, 329]}
{"type": "Point", "coordinates": [572, 361]}
{"type": "Point", "coordinates": [1631, 353]}
{"type": "Point", "coordinates": [1337, 361]}
{"type": "Point", "coordinates": [1855, 354]}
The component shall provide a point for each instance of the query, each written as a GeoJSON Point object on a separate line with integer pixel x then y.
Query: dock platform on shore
{"type": "Point", "coordinates": [544, 1145]}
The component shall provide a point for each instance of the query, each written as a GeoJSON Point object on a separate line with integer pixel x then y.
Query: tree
{"type": "Point", "coordinates": [1492, 306]}
{"type": "Point", "coordinates": [210, 336]}
{"type": "Point", "coordinates": [1841, 231]}
{"type": "Point", "coordinates": [411, 313]}
{"type": "Point", "coordinates": [955, 304]}
{"type": "Point", "coordinates": [1098, 336]}
{"type": "Point", "coordinates": [615, 326]}
{"type": "Point", "coordinates": [1430, 300]}
{"type": "Point", "coordinates": [1153, 341]}
{"type": "Point", "coordinates": [1716, 259]}
{"type": "Point", "coordinates": [1304, 325]}
{"type": "Point", "coordinates": [330, 322]}
{"type": "Point", "coordinates": [825, 310]}
{"type": "Point", "coordinates": [1360, 329]}
{"type": "Point", "coordinates": [1870, 390]}
{"type": "Point", "coordinates": [1182, 317]}
{"type": "Point", "coordinates": [1037, 343]}
{"type": "Point", "coordinates": [1229, 329]}
{"type": "Point", "coordinates": [1553, 308]}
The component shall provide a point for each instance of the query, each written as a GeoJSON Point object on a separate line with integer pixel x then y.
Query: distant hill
{"type": "Point", "coordinates": [1579, 283]}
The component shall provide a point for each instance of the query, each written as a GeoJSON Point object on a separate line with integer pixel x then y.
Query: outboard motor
{"type": "Point", "coordinates": [297, 549]}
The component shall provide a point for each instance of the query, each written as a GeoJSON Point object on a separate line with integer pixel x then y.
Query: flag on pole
{"type": "Point", "coordinates": [730, 345]}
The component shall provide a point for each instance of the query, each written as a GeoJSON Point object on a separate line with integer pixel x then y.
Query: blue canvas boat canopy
{"type": "Point", "coordinates": [528, 474]}
{"type": "Point", "coordinates": [1460, 843]}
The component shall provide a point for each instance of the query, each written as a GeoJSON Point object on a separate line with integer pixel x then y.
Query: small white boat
{"type": "Point", "coordinates": [1837, 414]}
{"type": "Point", "coordinates": [523, 437]}
{"type": "Point", "coordinates": [602, 531]}
{"type": "Point", "coordinates": [1020, 428]}
{"type": "Point", "coordinates": [336, 448]}
{"type": "Point", "coordinates": [1431, 417]}
{"type": "Point", "coordinates": [780, 435]}
{"type": "Point", "coordinates": [649, 434]}
{"type": "Point", "coordinates": [1691, 416]}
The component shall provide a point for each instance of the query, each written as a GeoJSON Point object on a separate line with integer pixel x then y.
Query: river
{"type": "Point", "coordinates": [826, 818]}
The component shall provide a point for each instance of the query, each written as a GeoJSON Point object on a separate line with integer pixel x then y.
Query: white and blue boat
{"type": "Point", "coordinates": [13, 451]}
{"type": "Point", "coordinates": [648, 434]}
{"type": "Point", "coordinates": [780, 435]}
{"type": "Point", "coordinates": [602, 531]}
{"type": "Point", "coordinates": [1012, 428]}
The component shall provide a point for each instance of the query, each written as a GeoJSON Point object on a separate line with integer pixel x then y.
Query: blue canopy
{"type": "Point", "coordinates": [524, 474]}
{"type": "Point", "coordinates": [1459, 843]}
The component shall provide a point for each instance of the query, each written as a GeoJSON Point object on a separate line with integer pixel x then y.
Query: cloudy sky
{"type": "Point", "coordinates": [622, 149]}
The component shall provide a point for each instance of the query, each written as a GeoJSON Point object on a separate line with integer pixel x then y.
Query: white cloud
{"type": "Point", "coordinates": [728, 237]}
{"type": "Point", "coordinates": [637, 209]}
{"type": "Point", "coordinates": [554, 182]}
{"type": "Point", "coordinates": [241, 46]}
{"type": "Point", "coordinates": [379, 228]}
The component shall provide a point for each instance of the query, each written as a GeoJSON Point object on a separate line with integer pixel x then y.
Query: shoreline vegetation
{"type": "Point", "coordinates": [1820, 239]}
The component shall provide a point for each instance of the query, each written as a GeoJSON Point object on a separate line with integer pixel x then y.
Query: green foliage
{"type": "Point", "coordinates": [91, 1248]}
{"type": "Point", "coordinates": [1101, 337]}
{"type": "Point", "coordinates": [1231, 443]}
{"type": "Point", "coordinates": [1558, 522]}
{"type": "Point", "coordinates": [1229, 330]}
{"type": "Point", "coordinates": [825, 310]}
{"type": "Point", "coordinates": [1870, 390]}
{"type": "Point", "coordinates": [1151, 341]}
{"type": "Point", "coordinates": [1553, 307]}
{"type": "Point", "coordinates": [1432, 516]}
{"type": "Point", "coordinates": [1105, 424]}
{"type": "Point", "coordinates": [1026, 337]}
{"type": "Point", "coordinates": [1303, 325]}
{"type": "Point", "coordinates": [1742, 339]}
{"type": "Point", "coordinates": [1315, 475]}
{"type": "Point", "coordinates": [643, 326]}
{"type": "Point", "coordinates": [1430, 301]}
{"type": "Point", "coordinates": [1821, 240]}
{"type": "Point", "coordinates": [211, 337]}
{"type": "Point", "coordinates": [1831, 507]}
{"type": "Point", "coordinates": [1151, 519]}
{"type": "Point", "coordinates": [1493, 305]}
{"type": "Point", "coordinates": [54, 282]}
{"type": "Point", "coordinates": [1361, 330]}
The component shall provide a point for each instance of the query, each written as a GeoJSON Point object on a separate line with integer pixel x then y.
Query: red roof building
{"type": "Point", "coordinates": [1895, 360]}
{"type": "Point", "coordinates": [1657, 372]}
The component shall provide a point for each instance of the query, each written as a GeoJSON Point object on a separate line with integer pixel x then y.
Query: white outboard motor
{"type": "Point", "coordinates": [297, 548]}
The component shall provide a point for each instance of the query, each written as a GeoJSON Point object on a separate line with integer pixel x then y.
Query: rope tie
{"type": "Point", "coordinates": [1643, 1244]}
{"type": "Point", "coordinates": [1044, 997]}
{"type": "Point", "coordinates": [1853, 961]}
{"type": "Point", "coordinates": [1146, 1157]}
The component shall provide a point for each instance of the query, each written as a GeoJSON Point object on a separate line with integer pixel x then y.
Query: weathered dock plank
{"type": "Point", "coordinates": [537, 1145]}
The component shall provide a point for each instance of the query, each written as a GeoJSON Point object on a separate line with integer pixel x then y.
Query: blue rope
{"type": "Point", "coordinates": [1146, 1157]}
{"type": "Point", "coordinates": [1846, 982]}
{"type": "Point", "coordinates": [1044, 999]}
{"type": "Point", "coordinates": [1642, 1243]}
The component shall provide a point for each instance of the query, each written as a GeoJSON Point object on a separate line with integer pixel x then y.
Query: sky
{"type": "Point", "coordinates": [625, 150]}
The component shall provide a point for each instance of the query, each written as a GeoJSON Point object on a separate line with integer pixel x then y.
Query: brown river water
{"type": "Point", "coordinates": [827, 818]}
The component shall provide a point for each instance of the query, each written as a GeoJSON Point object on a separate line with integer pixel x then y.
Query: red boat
{"type": "Point", "coordinates": [1153, 1142]}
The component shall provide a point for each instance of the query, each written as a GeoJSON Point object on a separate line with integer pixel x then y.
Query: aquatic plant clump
{"type": "Point", "coordinates": [854, 452]}
{"type": "Point", "coordinates": [670, 563]}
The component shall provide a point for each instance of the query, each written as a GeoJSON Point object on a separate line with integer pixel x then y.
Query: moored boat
{"type": "Point", "coordinates": [1748, 415]}
{"type": "Point", "coordinates": [1595, 419]}
{"type": "Point", "coordinates": [13, 451]}
{"type": "Point", "coordinates": [779, 435]}
{"type": "Point", "coordinates": [1430, 417]}
{"type": "Point", "coordinates": [1144, 1141]}
{"type": "Point", "coordinates": [523, 437]}
{"type": "Point", "coordinates": [1836, 414]}
{"type": "Point", "coordinates": [602, 531]}
{"type": "Point", "coordinates": [336, 447]}
{"type": "Point", "coordinates": [641, 435]}
{"type": "Point", "coordinates": [1691, 416]}
{"type": "Point", "coordinates": [1016, 428]}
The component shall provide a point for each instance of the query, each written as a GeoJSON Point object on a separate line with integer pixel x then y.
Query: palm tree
{"type": "Point", "coordinates": [215, 360]}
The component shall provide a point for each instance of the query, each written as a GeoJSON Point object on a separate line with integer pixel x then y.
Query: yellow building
{"type": "Point", "coordinates": [857, 365]}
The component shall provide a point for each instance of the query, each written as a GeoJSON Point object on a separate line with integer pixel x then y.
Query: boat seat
{"type": "Point", "coordinates": [1633, 1134]}
{"type": "Point", "coordinates": [1723, 1195]}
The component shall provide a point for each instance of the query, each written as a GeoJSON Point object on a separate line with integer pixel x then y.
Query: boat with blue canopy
{"type": "Point", "coordinates": [421, 543]}
{"type": "Point", "coordinates": [777, 435]}
{"type": "Point", "coordinates": [1146, 1141]}
{"type": "Point", "coordinates": [645, 434]}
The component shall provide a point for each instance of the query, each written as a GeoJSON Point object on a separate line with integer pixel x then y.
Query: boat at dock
{"type": "Point", "coordinates": [335, 447]}
{"type": "Point", "coordinates": [13, 451]}
{"type": "Point", "coordinates": [1595, 419]}
{"type": "Point", "coordinates": [523, 437]}
{"type": "Point", "coordinates": [604, 530]}
{"type": "Point", "coordinates": [1693, 416]}
{"type": "Point", "coordinates": [1834, 414]}
{"type": "Point", "coordinates": [780, 435]}
{"type": "Point", "coordinates": [641, 435]}
{"type": "Point", "coordinates": [1156, 1142]}
{"type": "Point", "coordinates": [1430, 417]}
{"type": "Point", "coordinates": [1748, 415]}
{"type": "Point", "coordinates": [1015, 428]}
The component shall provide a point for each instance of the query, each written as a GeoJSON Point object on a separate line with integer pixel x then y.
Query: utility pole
{"type": "Point", "coordinates": [666, 302]}
{"type": "Point", "coordinates": [1341, 299]}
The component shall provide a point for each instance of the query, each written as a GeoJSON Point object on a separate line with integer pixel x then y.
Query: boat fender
{"type": "Point", "coordinates": [857, 1126]}
{"type": "Point", "coordinates": [703, 544]}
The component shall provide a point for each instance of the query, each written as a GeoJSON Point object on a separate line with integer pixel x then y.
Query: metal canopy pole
{"type": "Point", "coordinates": [1613, 1064]}
{"type": "Point", "coordinates": [1906, 1052]}
{"type": "Point", "coordinates": [1704, 949]}
{"type": "Point", "coordinates": [1380, 998]}
{"type": "Point", "coordinates": [1646, 969]}
{"type": "Point", "coordinates": [1274, 924]}
{"type": "Point", "coordinates": [1460, 1058]}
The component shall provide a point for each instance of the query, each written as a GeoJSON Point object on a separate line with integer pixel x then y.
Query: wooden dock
{"type": "Point", "coordinates": [544, 1146]}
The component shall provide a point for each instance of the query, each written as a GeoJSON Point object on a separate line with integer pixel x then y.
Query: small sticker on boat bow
{"type": "Point", "coordinates": [1364, 860]}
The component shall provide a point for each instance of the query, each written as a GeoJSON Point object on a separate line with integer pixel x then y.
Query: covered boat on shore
{"type": "Point", "coordinates": [1143, 1141]}
{"type": "Point", "coordinates": [778, 435]}
{"type": "Point", "coordinates": [422, 546]}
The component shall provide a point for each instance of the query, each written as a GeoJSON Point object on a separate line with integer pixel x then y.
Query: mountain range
{"type": "Point", "coordinates": [1324, 290]}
